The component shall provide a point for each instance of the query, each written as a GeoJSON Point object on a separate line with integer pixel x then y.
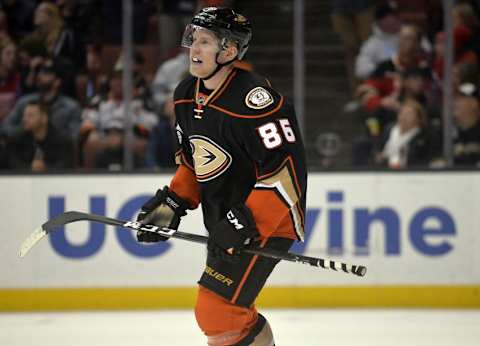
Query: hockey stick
{"type": "Point", "coordinates": [73, 216]}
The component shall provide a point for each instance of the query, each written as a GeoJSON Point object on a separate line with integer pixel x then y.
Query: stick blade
{"type": "Point", "coordinates": [30, 242]}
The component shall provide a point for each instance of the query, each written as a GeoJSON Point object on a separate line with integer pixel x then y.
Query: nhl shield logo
{"type": "Point", "coordinates": [258, 98]}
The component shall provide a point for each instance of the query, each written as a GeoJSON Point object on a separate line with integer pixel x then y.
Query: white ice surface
{"type": "Point", "coordinates": [323, 327]}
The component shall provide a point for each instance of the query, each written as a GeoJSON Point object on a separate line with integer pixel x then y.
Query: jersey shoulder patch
{"type": "Point", "coordinates": [258, 98]}
{"type": "Point", "coordinates": [248, 96]}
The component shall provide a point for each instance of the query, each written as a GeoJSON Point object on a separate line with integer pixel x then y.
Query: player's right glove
{"type": "Point", "coordinates": [231, 234]}
{"type": "Point", "coordinates": [163, 210]}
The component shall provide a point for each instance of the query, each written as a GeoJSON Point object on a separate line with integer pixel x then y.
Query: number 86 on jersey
{"type": "Point", "coordinates": [274, 132]}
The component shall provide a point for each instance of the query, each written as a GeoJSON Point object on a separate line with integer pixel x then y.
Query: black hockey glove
{"type": "Point", "coordinates": [232, 234]}
{"type": "Point", "coordinates": [164, 210]}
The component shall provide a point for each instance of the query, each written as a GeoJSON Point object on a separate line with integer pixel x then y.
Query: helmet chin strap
{"type": "Point", "coordinates": [219, 66]}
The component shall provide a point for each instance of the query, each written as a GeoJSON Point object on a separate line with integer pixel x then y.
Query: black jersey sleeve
{"type": "Point", "coordinates": [272, 139]}
{"type": "Point", "coordinates": [184, 182]}
{"type": "Point", "coordinates": [183, 153]}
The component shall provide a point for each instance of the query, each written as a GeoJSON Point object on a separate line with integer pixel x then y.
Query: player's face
{"type": "Point", "coordinates": [203, 53]}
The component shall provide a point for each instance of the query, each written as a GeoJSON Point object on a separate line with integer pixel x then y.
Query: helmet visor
{"type": "Point", "coordinates": [190, 29]}
{"type": "Point", "coordinates": [223, 36]}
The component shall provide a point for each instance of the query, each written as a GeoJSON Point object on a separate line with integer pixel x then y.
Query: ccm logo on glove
{"type": "Point", "coordinates": [234, 221]}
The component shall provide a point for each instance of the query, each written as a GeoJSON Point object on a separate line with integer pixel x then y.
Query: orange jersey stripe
{"type": "Point", "coordinates": [224, 87]}
{"type": "Point", "coordinates": [218, 90]}
{"type": "Point", "coordinates": [183, 101]}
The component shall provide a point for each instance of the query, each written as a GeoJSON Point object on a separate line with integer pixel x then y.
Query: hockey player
{"type": "Point", "coordinates": [241, 157]}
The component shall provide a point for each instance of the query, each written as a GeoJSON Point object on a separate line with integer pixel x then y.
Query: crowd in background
{"type": "Point", "coordinates": [61, 93]}
{"type": "Point", "coordinates": [395, 66]}
{"type": "Point", "coordinates": [62, 103]}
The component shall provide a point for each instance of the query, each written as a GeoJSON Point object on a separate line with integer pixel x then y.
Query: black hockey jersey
{"type": "Point", "coordinates": [241, 144]}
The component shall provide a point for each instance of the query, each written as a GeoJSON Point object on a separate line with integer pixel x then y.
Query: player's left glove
{"type": "Point", "coordinates": [232, 233]}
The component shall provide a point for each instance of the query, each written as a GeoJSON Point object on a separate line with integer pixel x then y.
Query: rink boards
{"type": "Point", "coordinates": [418, 234]}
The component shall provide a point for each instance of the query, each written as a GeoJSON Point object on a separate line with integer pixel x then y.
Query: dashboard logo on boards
{"type": "Point", "coordinates": [429, 229]}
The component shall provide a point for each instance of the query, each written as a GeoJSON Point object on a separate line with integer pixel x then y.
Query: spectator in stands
{"type": "Point", "coordinates": [160, 148]}
{"type": "Point", "coordinates": [92, 85]}
{"type": "Point", "coordinates": [41, 146]}
{"type": "Point", "coordinates": [168, 75]}
{"type": "Point", "coordinates": [63, 46]}
{"type": "Point", "coordinates": [465, 73]}
{"type": "Point", "coordinates": [466, 148]}
{"type": "Point", "coordinates": [32, 54]}
{"type": "Point", "coordinates": [141, 85]}
{"type": "Point", "coordinates": [465, 67]}
{"type": "Point", "coordinates": [20, 16]}
{"type": "Point", "coordinates": [465, 36]}
{"type": "Point", "coordinates": [376, 91]}
{"type": "Point", "coordinates": [352, 21]}
{"type": "Point", "coordinates": [407, 142]}
{"type": "Point", "coordinates": [104, 128]}
{"type": "Point", "coordinates": [382, 44]}
{"type": "Point", "coordinates": [463, 53]}
{"type": "Point", "coordinates": [464, 16]}
{"type": "Point", "coordinates": [4, 33]}
{"type": "Point", "coordinates": [81, 17]}
{"type": "Point", "coordinates": [413, 84]}
{"type": "Point", "coordinates": [65, 113]}
{"type": "Point", "coordinates": [67, 11]}
{"type": "Point", "coordinates": [432, 21]}
{"type": "Point", "coordinates": [9, 78]}
{"type": "Point", "coordinates": [380, 92]}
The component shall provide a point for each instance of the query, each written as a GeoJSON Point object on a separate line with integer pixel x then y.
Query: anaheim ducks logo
{"type": "Point", "coordinates": [210, 159]}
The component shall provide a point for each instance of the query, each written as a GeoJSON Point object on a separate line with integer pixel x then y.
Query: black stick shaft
{"type": "Point", "coordinates": [73, 216]}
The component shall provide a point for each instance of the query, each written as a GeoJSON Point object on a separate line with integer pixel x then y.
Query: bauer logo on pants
{"type": "Point", "coordinates": [210, 159]}
{"type": "Point", "coordinates": [217, 276]}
